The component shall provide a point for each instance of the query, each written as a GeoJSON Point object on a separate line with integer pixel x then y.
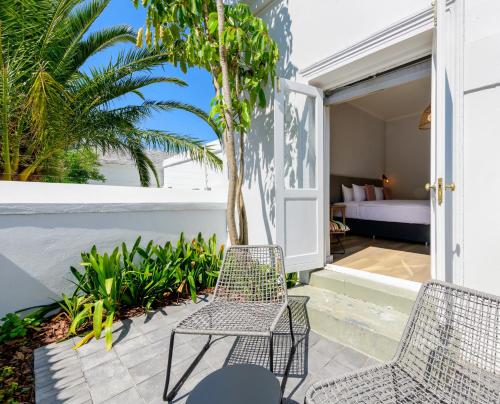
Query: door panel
{"type": "Point", "coordinates": [446, 144]}
{"type": "Point", "coordinates": [298, 147]}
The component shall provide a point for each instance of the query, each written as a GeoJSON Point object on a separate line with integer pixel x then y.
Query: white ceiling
{"type": "Point", "coordinates": [395, 102]}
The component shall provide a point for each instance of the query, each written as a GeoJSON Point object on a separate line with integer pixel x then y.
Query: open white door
{"type": "Point", "coordinates": [299, 171]}
{"type": "Point", "coordinates": [446, 145]}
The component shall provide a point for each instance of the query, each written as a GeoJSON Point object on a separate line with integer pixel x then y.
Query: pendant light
{"type": "Point", "coordinates": [425, 119]}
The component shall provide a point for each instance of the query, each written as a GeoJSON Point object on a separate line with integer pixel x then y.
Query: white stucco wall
{"type": "Point", "coordinates": [125, 175]}
{"type": "Point", "coordinates": [306, 32]}
{"type": "Point", "coordinates": [182, 173]}
{"type": "Point", "coordinates": [44, 227]}
{"type": "Point", "coordinates": [481, 145]}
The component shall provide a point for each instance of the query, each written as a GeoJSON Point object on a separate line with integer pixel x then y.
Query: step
{"type": "Point", "coordinates": [366, 327]}
{"type": "Point", "coordinates": [382, 290]}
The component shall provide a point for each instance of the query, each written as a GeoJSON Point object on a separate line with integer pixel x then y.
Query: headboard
{"type": "Point", "coordinates": [336, 182]}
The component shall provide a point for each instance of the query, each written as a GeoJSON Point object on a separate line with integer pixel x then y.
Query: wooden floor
{"type": "Point", "coordinates": [386, 257]}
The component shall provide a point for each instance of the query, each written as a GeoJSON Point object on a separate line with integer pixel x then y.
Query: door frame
{"type": "Point", "coordinates": [384, 51]}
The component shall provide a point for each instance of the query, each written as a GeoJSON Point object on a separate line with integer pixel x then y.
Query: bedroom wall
{"type": "Point", "coordinates": [357, 145]}
{"type": "Point", "coordinates": [407, 157]}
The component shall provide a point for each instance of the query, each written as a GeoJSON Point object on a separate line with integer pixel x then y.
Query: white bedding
{"type": "Point", "coordinates": [393, 210]}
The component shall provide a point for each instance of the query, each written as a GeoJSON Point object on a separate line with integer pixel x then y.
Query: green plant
{"type": "Point", "coordinates": [13, 326]}
{"type": "Point", "coordinates": [7, 387]}
{"type": "Point", "coordinates": [235, 48]}
{"type": "Point", "coordinates": [50, 105]}
{"type": "Point", "coordinates": [138, 277]}
{"type": "Point", "coordinates": [292, 279]}
{"type": "Point", "coordinates": [101, 280]}
{"type": "Point", "coordinates": [72, 306]}
{"type": "Point", "coordinates": [148, 280]}
{"type": "Point", "coordinates": [77, 166]}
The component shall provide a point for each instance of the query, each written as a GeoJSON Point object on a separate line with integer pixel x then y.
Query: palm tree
{"type": "Point", "coordinates": [48, 104]}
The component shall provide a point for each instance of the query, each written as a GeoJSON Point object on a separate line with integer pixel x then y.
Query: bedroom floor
{"type": "Point", "coordinates": [399, 259]}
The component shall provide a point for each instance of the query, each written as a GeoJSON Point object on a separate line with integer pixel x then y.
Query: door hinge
{"type": "Point", "coordinates": [434, 12]}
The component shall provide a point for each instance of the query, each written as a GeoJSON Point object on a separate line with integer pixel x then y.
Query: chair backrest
{"type": "Point", "coordinates": [452, 343]}
{"type": "Point", "coordinates": [252, 274]}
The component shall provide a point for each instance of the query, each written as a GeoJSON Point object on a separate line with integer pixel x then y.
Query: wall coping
{"type": "Point", "coordinates": [68, 208]}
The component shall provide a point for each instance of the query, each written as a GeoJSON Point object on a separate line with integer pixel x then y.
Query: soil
{"type": "Point", "coordinates": [18, 353]}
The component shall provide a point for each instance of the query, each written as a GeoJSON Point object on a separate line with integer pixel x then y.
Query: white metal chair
{"type": "Point", "coordinates": [249, 299]}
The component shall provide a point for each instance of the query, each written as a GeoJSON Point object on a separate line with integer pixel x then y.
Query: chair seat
{"type": "Point", "coordinates": [233, 318]}
{"type": "Point", "coordinates": [383, 384]}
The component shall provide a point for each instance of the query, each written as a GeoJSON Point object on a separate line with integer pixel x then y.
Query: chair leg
{"type": "Point", "coordinates": [339, 243]}
{"type": "Point", "coordinates": [170, 396]}
{"type": "Point", "coordinates": [169, 364]}
{"type": "Point", "coordinates": [291, 354]}
{"type": "Point", "coordinates": [271, 353]}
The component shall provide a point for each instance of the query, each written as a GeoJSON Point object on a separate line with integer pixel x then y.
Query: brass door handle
{"type": "Point", "coordinates": [438, 187]}
{"type": "Point", "coordinates": [450, 187]}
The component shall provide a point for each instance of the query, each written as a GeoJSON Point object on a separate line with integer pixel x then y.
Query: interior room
{"type": "Point", "coordinates": [379, 165]}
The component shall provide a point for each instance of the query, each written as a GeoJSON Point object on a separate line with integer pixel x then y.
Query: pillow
{"type": "Point", "coordinates": [370, 192]}
{"type": "Point", "coordinates": [387, 193]}
{"type": "Point", "coordinates": [338, 227]}
{"type": "Point", "coordinates": [379, 193]}
{"type": "Point", "coordinates": [347, 193]}
{"type": "Point", "coordinates": [359, 193]}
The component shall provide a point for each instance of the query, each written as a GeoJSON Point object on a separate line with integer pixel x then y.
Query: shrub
{"type": "Point", "coordinates": [138, 277]}
{"type": "Point", "coordinates": [7, 387]}
{"type": "Point", "coordinates": [13, 326]}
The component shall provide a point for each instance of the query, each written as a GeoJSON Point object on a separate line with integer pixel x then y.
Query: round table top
{"type": "Point", "coordinates": [242, 384]}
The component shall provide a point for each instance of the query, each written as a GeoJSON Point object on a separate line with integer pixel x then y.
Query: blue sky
{"type": "Point", "coordinates": [199, 91]}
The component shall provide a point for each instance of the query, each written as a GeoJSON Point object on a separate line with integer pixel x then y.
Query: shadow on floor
{"type": "Point", "coordinates": [255, 350]}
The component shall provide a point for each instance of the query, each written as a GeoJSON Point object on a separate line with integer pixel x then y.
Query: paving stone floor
{"type": "Point", "coordinates": [134, 370]}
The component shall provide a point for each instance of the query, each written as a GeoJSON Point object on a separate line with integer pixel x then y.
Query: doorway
{"type": "Point", "coordinates": [380, 161]}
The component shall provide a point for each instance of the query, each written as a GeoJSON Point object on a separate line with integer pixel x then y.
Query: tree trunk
{"type": "Point", "coordinates": [229, 132]}
{"type": "Point", "coordinates": [242, 213]}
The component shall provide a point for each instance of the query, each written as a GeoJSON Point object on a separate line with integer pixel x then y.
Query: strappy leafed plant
{"type": "Point", "coordinates": [50, 104]}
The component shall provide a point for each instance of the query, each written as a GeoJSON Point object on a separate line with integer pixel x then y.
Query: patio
{"type": "Point", "coordinates": [134, 370]}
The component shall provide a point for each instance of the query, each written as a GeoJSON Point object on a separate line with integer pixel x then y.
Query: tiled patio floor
{"type": "Point", "coordinates": [134, 370]}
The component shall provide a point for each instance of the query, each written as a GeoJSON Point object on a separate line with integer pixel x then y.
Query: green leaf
{"type": "Point", "coordinates": [109, 285]}
{"type": "Point", "coordinates": [108, 332]}
{"type": "Point", "coordinates": [97, 323]}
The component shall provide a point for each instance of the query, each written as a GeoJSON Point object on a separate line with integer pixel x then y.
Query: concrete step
{"type": "Point", "coordinates": [384, 291]}
{"type": "Point", "coordinates": [366, 327]}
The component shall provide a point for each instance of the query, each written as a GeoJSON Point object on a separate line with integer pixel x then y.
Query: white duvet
{"type": "Point", "coordinates": [393, 210]}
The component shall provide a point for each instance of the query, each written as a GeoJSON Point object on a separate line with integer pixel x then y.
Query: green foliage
{"type": "Point", "coordinates": [187, 31]}
{"type": "Point", "coordinates": [13, 326]}
{"type": "Point", "coordinates": [138, 277]}
{"type": "Point", "coordinates": [102, 282]}
{"type": "Point", "coordinates": [292, 279]}
{"type": "Point", "coordinates": [7, 387]}
{"type": "Point", "coordinates": [49, 105]}
{"type": "Point", "coordinates": [73, 166]}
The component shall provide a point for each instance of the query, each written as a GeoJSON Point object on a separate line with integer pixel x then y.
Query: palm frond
{"type": "Point", "coordinates": [179, 144]}
{"type": "Point", "coordinates": [98, 41]}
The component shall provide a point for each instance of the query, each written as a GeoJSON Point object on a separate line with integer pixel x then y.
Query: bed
{"type": "Point", "coordinates": [407, 220]}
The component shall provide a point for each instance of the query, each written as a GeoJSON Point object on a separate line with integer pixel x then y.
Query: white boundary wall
{"type": "Point", "coordinates": [45, 227]}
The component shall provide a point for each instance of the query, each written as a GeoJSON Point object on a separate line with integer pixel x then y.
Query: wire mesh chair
{"type": "Point", "coordinates": [449, 353]}
{"type": "Point", "coordinates": [249, 299]}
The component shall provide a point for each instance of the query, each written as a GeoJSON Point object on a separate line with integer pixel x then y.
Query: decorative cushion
{"type": "Point", "coordinates": [359, 193]}
{"type": "Point", "coordinates": [338, 227]}
{"type": "Point", "coordinates": [370, 192]}
{"type": "Point", "coordinates": [347, 193]}
{"type": "Point", "coordinates": [387, 193]}
{"type": "Point", "coordinates": [379, 193]}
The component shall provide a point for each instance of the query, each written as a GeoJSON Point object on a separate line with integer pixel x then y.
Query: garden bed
{"type": "Point", "coordinates": [110, 287]}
